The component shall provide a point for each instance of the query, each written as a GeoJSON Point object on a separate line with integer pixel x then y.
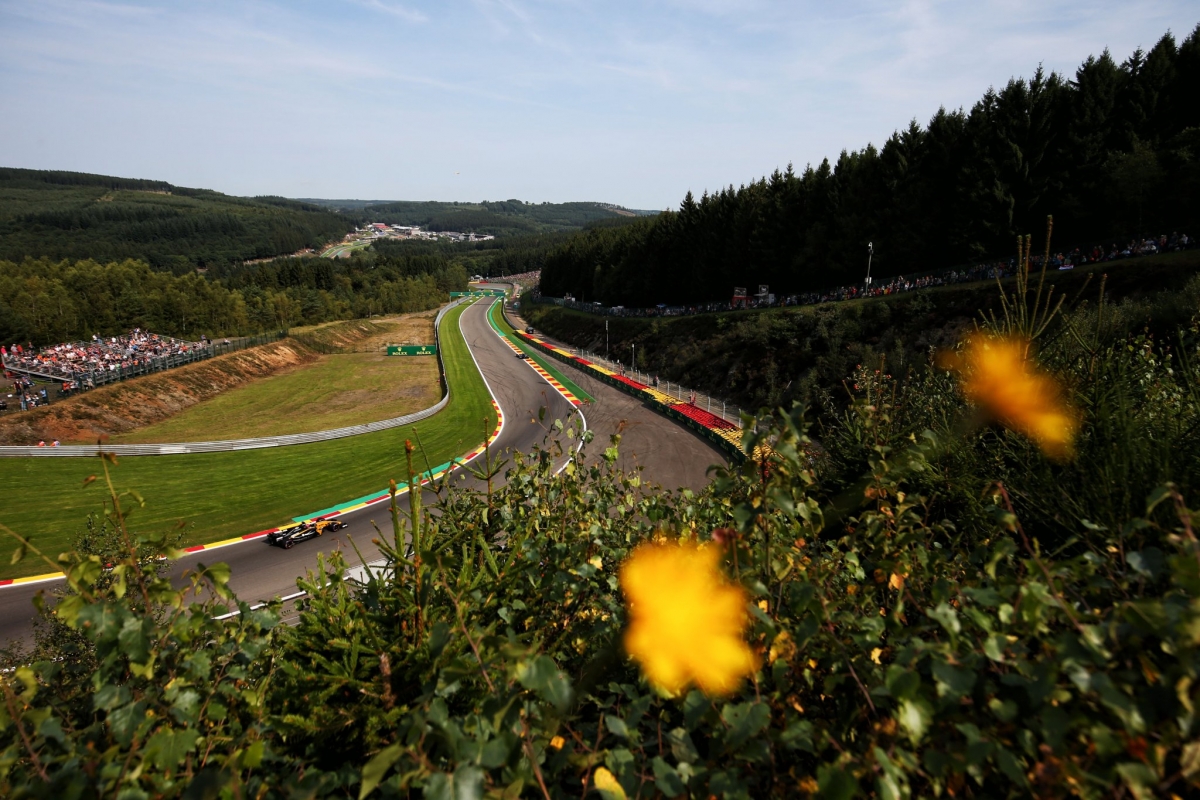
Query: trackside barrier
{"type": "Point", "coordinates": [729, 443]}
{"type": "Point", "coordinates": [181, 448]}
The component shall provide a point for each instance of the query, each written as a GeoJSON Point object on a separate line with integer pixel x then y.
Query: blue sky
{"type": "Point", "coordinates": [625, 102]}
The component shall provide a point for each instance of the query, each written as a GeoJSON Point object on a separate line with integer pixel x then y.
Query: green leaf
{"type": "Point", "coordinates": [252, 756]}
{"type": "Point", "coordinates": [205, 785]}
{"type": "Point", "coordinates": [695, 706]}
{"type": "Point", "coordinates": [744, 720]}
{"type": "Point", "coordinates": [135, 644]}
{"type": "Point", "coordinates": [914, 716]}
{"type": "Point", "coordinates": [438, 638]}
{"type": "Point", "coordinates": [798, 735]}
{"type": "Point", "coordinates": [1140, 779]}
{"type": "Point", "coordinates": [51, 728]}
{"type": "Point", "coordinates": [616, 726]}
{"type": "Point", "coordinates": [836, 783]}
{"type": "Point", "coordinates": [1005, 710]}
{"type": "Point", "coordinates": [124, 722]}
{"type": "Point", "coordinates": [1011, 767]}
{"type": "Point", "coordinates": [682, 746]}
{"type": "Point", "coordinates": [1157, 496]}
{"type": "Point", "coordinates": [945, 614]}
{"type": "Point", "coordinates": [902, 682]}
{"type": "Point", "coordinates": [952, 682]}
{"type": "Point", "coordinates": [105, 619]}
{"type": "Point", "coordinates": [109, 696]}
{"type": "Point", "coordinates": [993, 648]}
{"type": "Point", "coordinates": [377, 767]}
{"type": "Point", "coordinates": [1149, 563]}
{"type": "Point", "coordinates": [167, 748]}
{"type": "Point", "coordinates": [543, 676]}
{"type": "Point", "coordinates": [465, 784]}
{"type": "Point", "coordinates": [891, 783]}
{"type": "Point", "coordinates": [666, 778]}
{"type": "Point", "coordinates": [495, 753]}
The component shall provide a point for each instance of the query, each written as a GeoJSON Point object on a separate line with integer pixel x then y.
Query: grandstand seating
{"type": "Point", "coordinates": [703, 417]}
{"type": "Point", "coordinates": [661, 397]}
{"type": "Point", "coordinates": [628, 381]}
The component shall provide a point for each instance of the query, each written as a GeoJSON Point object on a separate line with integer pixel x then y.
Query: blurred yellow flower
{"type": "Point", "coordinates": [996, 375]}
{"type": "Point", "coordinates": [686, 622]}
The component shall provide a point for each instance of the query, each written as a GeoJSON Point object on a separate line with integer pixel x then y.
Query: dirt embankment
{"type": "Point", "coordinates": [125, 406]}
{"type": "Point", "coordinates": [373, 335]}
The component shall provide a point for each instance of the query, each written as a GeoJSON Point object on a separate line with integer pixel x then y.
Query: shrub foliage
{"type": "Point", "coordinates": [935, 610]}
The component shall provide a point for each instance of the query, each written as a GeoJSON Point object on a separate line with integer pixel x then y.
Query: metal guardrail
{"type": "Point", "coordinates": [228, 445]}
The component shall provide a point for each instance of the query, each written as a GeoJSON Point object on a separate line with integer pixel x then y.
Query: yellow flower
{"type": "Point", "coordinates": [996, 375]}
{"type": "Point", "coordinates": [686, 622]}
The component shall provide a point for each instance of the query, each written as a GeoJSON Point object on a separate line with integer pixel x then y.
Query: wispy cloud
{"type": "Point", "coordinates": [393, 9]}
{"type": "Point", "coordinates": [632, 101]}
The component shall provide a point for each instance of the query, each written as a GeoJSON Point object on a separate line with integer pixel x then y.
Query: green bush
{"type": "Point", "coordinates": [929, 615]}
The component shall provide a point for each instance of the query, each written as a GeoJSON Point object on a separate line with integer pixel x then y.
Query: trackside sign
{"type": "Point", "coordinates": [480, 293]}
{"type": "Point", "coordinates": [412, 350]}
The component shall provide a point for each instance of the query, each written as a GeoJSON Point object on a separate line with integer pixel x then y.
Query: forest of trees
{"type": "Point", "coordinates": [1112, 153]}
{"type": "Point", "coordinates": [70, 215]}
{"type": "Point", "coordinates": [44, 301]}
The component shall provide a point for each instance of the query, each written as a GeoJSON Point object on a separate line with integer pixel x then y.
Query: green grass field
{"type": "Point", "coordinates": [339, 390]}
{"type": "Point", "coordinates": [219, 495]}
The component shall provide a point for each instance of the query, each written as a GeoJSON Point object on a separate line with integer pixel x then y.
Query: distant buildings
{"type": "Point", "coordinates": [380, 230]}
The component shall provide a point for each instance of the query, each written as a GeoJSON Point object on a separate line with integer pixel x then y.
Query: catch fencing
{"type": "Point", "coordinates": [676, 391]}
{"type": "Point", "coordinates": [181, 448]}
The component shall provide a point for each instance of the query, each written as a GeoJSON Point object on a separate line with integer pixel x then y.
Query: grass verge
{"type": "Point", "coordinates": [336, 391]}
{"type": "Point", "coordinates": [215, 496]}
{"type": "Point", "coordinates": [504, 329]}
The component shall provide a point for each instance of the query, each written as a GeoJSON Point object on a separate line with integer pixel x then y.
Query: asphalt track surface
{"type": "Point", "coordinates": [670, 455]}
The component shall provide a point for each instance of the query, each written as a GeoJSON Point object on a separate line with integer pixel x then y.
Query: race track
{"type": "Point", "coordinates": [670, 454]}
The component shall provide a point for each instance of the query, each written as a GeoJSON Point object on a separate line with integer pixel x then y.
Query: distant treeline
{"type": "Point", "coordinates": [1113, 152]}
{"type": "Point", "coordinates": [68, 215]}
{"type": "Point", "coordinates": [495, 258]}
{"type": "Point", "coordinates": [46, 301]}
{"type": "Point", "coordinates": [499, 218]}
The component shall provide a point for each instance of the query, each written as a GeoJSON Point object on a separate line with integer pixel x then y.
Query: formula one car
{"type": "Point", "coordinates": [522, 355]}
{"type": "Point", "coordinates": [288, 537]}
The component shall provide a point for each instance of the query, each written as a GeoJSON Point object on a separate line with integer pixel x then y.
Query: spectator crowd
{"type": "Point", "coordinates": [76, 363]}
{"type": "Point", "coordinates": [977, 272]}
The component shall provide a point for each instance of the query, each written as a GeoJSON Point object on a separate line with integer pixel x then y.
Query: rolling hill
{"type": "Point", "coordinates": [73, 215]}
